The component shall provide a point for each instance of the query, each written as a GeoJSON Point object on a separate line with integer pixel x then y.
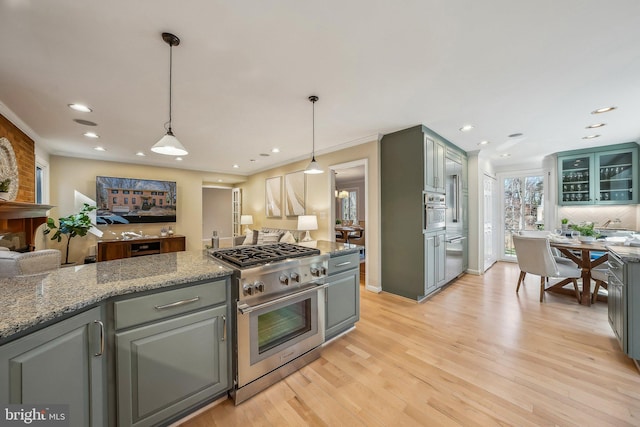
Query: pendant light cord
{"type": "Point", "coordinates": [170, 80]}
{"type": "Point", "coordinates": [313, 130]}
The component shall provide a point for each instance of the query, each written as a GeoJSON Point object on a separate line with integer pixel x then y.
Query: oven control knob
{"type": "Point", "coordinates": [284, 279]}
{"type": "Point", "coordinates": [248, 289]}
{"type": "Point", "coordinates": [315, 271]}
{"type": "Point", "coordinates": [259, 286]}
{"type": "Point", "coordinates": [323, 271]}
{"type": "Point", "coordinates": [295, 277]}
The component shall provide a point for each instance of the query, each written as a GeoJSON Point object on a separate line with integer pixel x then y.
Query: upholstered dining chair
{"type": "Point", "coordinates": [554, 251]}
{"type": "Point", "coordinates": [535, 257]}
{"type": "Point", "coordinates": [599, 275]}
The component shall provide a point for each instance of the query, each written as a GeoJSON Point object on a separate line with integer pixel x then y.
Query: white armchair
{"type": "Point", "coordinates": [14, 264]}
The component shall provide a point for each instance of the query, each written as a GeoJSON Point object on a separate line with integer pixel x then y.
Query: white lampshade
{"type": "Point", "coordinates": [343, 194]}
{"type": "Point", "coordinates": [306, 223]}
{"type": "Point", "coordinates": [246, 219]}
{"type": "Point", "coordinates": [313, 168]}
{"type": "Point", "coordinates": [170, 146]}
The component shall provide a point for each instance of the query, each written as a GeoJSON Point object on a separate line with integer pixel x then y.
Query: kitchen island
{"type": "Point", "coordinates": [139, 341]}
{"type": "Point", "coordinates": [30, 302]}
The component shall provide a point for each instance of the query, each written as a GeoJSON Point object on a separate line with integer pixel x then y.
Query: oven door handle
{"type": "Point", "coordinates": [244, 308]}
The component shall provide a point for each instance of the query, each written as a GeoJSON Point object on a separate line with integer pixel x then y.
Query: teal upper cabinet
{"type": "Point", "coordinates": [603, 176]}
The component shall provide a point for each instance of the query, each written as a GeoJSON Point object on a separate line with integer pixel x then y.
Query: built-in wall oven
{"type": "Point", "coordinates": [434, 212]}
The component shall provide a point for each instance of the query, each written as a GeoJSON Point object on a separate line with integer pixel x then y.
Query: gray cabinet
{"type": "Point", "coordinates": [435, 261]}
{"type": "Point", "coordinates": [62, 364]}
{"type": "Point", "coordinates": [342, 295]}
{"type": "Point", "coordinates": [624, 304]}
{"type": "Point", "coordinates": [602, 176]}
{"type": "Point", "coordinates": [434, 161]}
{"type": "Point", "coordinates": [410, 160]}
{"type": "Point", "coordinates": [171, 353]}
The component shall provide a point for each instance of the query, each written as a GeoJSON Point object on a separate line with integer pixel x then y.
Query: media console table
{"type": "Point", "coordinates": [116, 249]}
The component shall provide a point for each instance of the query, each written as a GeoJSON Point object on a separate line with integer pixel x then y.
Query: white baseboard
{"type": "Point", "coordinates": [375, 289]}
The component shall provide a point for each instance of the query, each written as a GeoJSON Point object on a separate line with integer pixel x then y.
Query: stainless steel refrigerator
{"type": "Point", "coordinates": [455, 237]}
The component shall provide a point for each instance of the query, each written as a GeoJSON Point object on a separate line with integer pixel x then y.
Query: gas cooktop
{"type": "Point", "coordinates": [246, 256]}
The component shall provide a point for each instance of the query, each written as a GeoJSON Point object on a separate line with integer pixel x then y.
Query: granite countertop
{"type": "Point", "coordinates": [337, 249]}
{"type": "Point", "coordinates": [626, 253]}
{"type": "Point", "coordinates": [30, 301]}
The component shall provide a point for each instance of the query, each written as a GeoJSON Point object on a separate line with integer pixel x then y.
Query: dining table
{"type": "Point", "coordinates": [581, 253]}
{"type": "Point", "coordinates": [346, 229]}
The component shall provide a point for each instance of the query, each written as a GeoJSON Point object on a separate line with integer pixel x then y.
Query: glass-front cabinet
{"type": "Point", "coordinates": [605, 176]}
{"type": "Point", "coordinates": [575, 179]}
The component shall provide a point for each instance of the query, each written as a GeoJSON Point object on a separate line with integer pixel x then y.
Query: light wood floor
{"type": "Point", "coordinates": [476, 354]}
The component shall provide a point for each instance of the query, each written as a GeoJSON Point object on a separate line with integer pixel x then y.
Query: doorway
{"type": "Point", "coordinates": [349, 203]}
{"type": "Point", "coordinates": [490, 258]}
{"type": "Point", "coordinates": [217, 214]}
{"type": "Point", "coordinates": [521, 196]}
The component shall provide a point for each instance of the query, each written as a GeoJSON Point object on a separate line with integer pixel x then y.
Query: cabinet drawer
{"type": "Point", "coordinates": [147, 308]}
{"type": "Point", "coordinates": [343, 263]}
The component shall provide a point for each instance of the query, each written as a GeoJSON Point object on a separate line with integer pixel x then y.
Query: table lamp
{"type": "Point", "coordinates": [306, 223]}
{"type": "Point", "coordinates": [246, 220]}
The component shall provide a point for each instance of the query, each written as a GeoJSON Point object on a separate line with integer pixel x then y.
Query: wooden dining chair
{"type": "Point", "coordinates": [599, 275]}
{"type": "Point", "coordinates": [535, 257]}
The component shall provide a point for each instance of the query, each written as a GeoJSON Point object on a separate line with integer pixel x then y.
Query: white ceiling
{"type": "Point", "coordinates": [244, 70]}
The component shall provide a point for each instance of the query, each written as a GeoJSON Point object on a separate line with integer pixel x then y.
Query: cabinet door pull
{"type": "Point", "coordinates": [101, 337]}
{"type": "Point", "coordinates": [177, 303]}
{"type": "Point", "coordinates": [224, 328]}
{"type": "Point", "coordinates": [342, 264]}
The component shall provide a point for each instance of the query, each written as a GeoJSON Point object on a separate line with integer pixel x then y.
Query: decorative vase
{"type": "Point", "coordinates": [4, 195]}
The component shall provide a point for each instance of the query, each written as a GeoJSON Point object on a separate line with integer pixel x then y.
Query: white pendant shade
{"type": "Point", "coordinates": [170, 146]}
{"type": "Point", "coordinates": [313, 168]}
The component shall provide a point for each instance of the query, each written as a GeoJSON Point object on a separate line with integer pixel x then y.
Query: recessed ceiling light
{"type": "Point", "coordinates": [603, 110]}
{"type": "Point", "coordinates": [590, 136]}
{"type": "Point", "coordinates": [515, 135]}
{"type": "Point", "coordinates": [99, 148]}
{"type": "Point", "coordinates": [219, 180]}
{"type": "Point", "coordinates": [275, 150]}
{"type": "Point", "coordinates": [80, 107]}
{"type": "Point", "coordinates": [236, 166]}
{"type": "Point", "coordinates": [505, 155]}
{"type": "Point", "coordinates": [466, 128]}
{"type": "Point", "coordinates": [178, 159]}
{"type": "Point", "coordinates": [597, 125]}
{"type": "Point", "coordinates": [91, 135]}
{"type": "Point", "coordinates": [85, 122]}
{"type": "Point", "coordinates": [483, 142]}
{"type": "Point", "coordinates": [140, 153]}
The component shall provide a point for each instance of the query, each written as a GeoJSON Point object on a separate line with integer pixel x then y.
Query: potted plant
{"type": "Point", "coordinates": [4, 189]}
{"type": "Point", "coordinates": [587, 233]}
{"type": "Point", "coordinates": [72, 226]}
{"type": "Point", "coordinates": [565, 224]}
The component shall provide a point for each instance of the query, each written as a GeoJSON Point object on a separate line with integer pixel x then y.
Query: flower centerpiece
{"type": "Point", "coordinates": [587, 233]}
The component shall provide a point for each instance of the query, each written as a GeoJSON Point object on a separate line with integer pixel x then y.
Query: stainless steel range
{"type": "Point", "coordinates": [279, 293]}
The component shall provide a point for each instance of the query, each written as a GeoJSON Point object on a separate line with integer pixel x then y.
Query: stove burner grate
{"type": "Point", "coordinates": [246, 256]}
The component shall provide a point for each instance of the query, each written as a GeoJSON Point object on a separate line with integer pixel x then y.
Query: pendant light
{"type": "Point", "coordinates": [169, 144]}
{"type": "Point", "coordinates": [313, 167]}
